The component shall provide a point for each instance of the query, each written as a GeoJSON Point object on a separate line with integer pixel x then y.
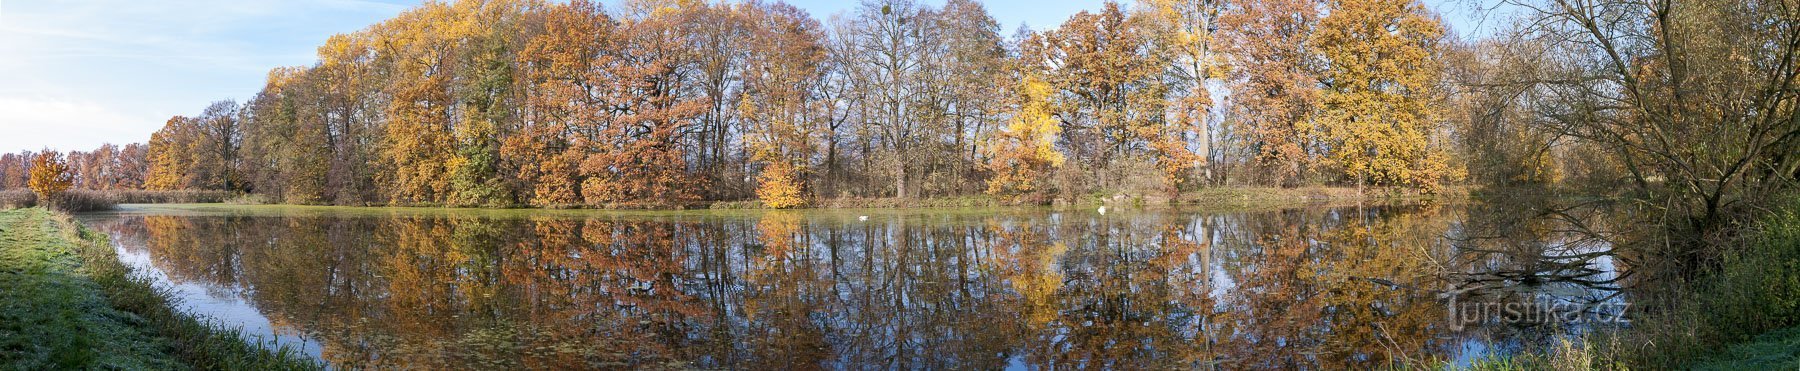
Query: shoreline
{"type": "Point", "coordinates": [72, 304]}
{"type": "Point", "coordinates": [1227, 198]}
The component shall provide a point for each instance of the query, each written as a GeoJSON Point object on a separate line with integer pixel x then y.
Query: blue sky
{"type": "Point", "coordinates": [78, 73]}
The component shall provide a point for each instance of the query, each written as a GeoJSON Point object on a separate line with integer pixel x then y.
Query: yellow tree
{"type": "Point", "coordinates": [169, 156]}
{"type": "Point", "coordinates": [1022, 156]}
{"type": "Point", "coordinates": [418, 142]}
{"type": "Point", "coordinates": [50, 175]}
{"type": "Point", "coordinates": [1378, 99]}
{"type": "Point", "coordinates": [1107, 69]}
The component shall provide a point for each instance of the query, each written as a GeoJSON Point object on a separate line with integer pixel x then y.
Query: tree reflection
{"type": "Point", "coordinates": [1346, 287]}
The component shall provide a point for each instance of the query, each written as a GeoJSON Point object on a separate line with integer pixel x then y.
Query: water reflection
{"type": "Point", "coordinates": [1310, 288]}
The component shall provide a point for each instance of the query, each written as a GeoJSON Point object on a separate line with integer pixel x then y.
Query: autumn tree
{"type": "Point", "coordinates": [1274, 84]}
{"type": "Point", "coordinates": [1022, 156]}
{"type": "Point", "coordinates": [1111, 97]}
{"type": "Point", "coordinates": [781, 72]}
{"type": "Point", "coordinates": [170, 155]}
{"type": "Point", "coordinates": [15, 170]}
{"type": "Point", "coordinates": [636, 156]}
{"type": "Point", "coordinates": [1187, 30]}
{"type": "Point", "coordinates": [1379, 102]}
{"type": "Point", "coordinates": [610, 114]}
{"type": "Point", "coordinates": [50, 175]}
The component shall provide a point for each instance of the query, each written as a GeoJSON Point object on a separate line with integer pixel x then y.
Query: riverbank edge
{"type": "Point", "coordinates": [196, 342]}
{"type": "Point", "coordinates": [1743, 314]}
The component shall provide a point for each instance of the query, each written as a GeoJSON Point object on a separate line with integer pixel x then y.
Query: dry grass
{"type": "Point", "coordinates": [88, 200]}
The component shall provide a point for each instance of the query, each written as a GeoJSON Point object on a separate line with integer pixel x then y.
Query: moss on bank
{"type": "Point", "coordinates": [66, 302]}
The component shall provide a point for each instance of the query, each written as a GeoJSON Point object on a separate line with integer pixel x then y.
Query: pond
{"type": "Point", "coordinates": [1312, 287]}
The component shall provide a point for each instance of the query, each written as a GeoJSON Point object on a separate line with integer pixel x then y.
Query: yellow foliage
{"type": "Point", "coordinates": [780, 186]}
{"type": "Point", "coordinates": [1024, 154]}
{"type": "Point", "coordinates": [1379, 113]}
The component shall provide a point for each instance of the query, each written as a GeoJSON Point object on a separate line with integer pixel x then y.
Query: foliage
{"type": "Point", "coordinates": [1022, 157]}
{"type": "Point", "coordinates": [1379, 99]}
{"type": "Point", "coordinates": [1107, 72]}
{"type": "Point", "coordinates": [50, 175]}
{"type": "Point", "coordinates": [779, 187]}
{"type": "Point", "coordinates": [1276, 84]}
{"type": "Point", "coordinates": [666, 103]}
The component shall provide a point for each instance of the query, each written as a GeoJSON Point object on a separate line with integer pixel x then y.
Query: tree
{"type": "Point", "coordinates": [169, 156]}
{"type": "Point", "coordinates": [781, 71]}
{"type": "Point", "coordinates": [1187, 30]}
{"type": "Point", "coordinates": [50, 175]}
{"type": "Point", "coordinates": [1274, 84]}
{"type": "Point", "coordinates": [1694, 99]}
{"type": "Point", "coordinates": [1107, 72]}
{"type": "Point", "coordinates": [1022, 156]}
{"type": "Point", "coordinates": [1379, 103]}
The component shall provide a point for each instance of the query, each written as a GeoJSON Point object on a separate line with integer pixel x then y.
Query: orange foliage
{"type": "Point", "coordinates": [50, 175]}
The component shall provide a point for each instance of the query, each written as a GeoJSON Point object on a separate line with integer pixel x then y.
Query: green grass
{"type": "Point", "coordinates": [66, 302]}
{"type": "Point", "coordinates": [51, 317]}
{"type": "Point", "coordinates": [1777, 350]}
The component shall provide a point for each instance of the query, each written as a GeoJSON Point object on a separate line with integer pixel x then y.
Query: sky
{"type": "Point", "coordinates": [78, 73]}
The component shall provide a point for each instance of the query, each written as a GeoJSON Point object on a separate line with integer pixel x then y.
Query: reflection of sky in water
{"type": "Point", "coordinates": [218, 304]}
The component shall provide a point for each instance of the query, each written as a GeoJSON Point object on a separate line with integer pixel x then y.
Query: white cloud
{"type": "Point", "coordinates": [36, 122]}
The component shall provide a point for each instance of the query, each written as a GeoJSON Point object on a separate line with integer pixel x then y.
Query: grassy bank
{"type": "Point", "coordinates": [66, 302]}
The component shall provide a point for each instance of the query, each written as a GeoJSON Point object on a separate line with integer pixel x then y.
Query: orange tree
{"type": "Point", "coordinates": [50, 175]}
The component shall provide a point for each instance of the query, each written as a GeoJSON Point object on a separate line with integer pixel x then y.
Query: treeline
{"type": "Point", "coordinates": [110, 167]}
{"type": "Point", "coordinates": [661, 103]}
{"type": "Point", "coordinates": [667, 103]}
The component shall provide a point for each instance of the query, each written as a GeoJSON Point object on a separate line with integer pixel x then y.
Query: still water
{"type": "Point", "coordinates": [1318, 287]}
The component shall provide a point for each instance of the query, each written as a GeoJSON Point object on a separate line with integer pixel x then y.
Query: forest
{"type": "Point", "coordinates": [678, 103]}
{"type": "Point", "coordinates": [669, 103]}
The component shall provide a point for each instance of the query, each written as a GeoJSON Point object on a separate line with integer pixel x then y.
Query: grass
{"type": "Point", "coordinates": [66, 302]}
{"type": "Point", "coordinates": [1777, 350]}
{"type": "Point", "coordinates": [1755, 289]}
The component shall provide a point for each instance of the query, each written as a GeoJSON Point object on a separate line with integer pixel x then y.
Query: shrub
{"type": "Point", "coordinates": [75, 201]}
{"type": "Point", "coordinates": [17, 198]}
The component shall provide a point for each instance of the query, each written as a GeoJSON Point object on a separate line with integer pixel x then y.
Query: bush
{"type": "Point", "coordinates": [169, 197]}
{"type": "Point", "coordinates": [17, 198]}
{"type": "Point", "coordinates": [75, 201]}
{"type": "Point", "coordinates": [1754, 289]}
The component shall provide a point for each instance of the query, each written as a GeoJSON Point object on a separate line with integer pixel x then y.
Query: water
{"type": "Point", "coordinates": [910, 289]}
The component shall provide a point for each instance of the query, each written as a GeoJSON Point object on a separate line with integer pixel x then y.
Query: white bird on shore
{"type": "Point", "coordinates": [1102, 210]}
{"type": "Point", "coordinates": [863, 218]}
